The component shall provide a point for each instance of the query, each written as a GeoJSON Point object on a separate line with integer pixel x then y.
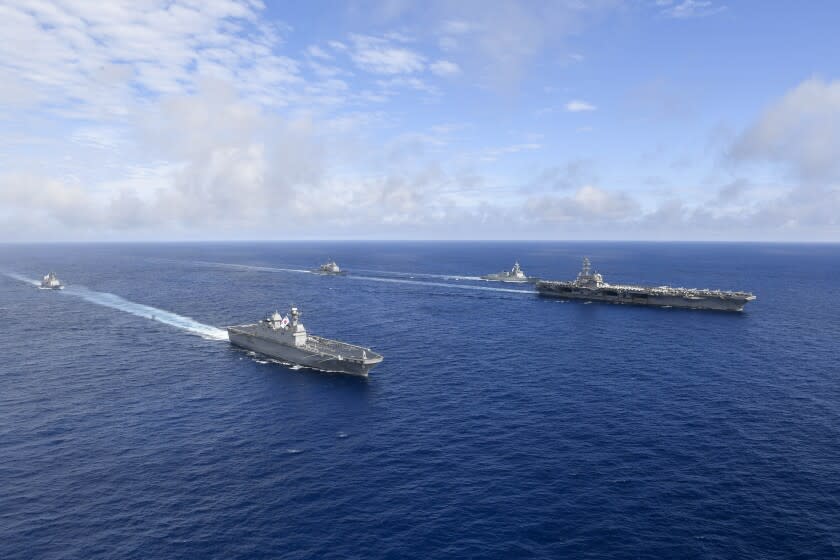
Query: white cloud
{"type": "Point", "coordinates": [588, 203]}
{"type": "Point", "coordinates": [573, 174]}
{"type": "Point", "coordinates": [445, 68]}
{"type": "Point", "coordinates": [498, 39]}
{"type": "Point", "coordinates": [179, 118]}
{"type": "Point", "coordinates": [226, 164]}
{"type": "Point", "coordinates": [801, 131]}
{"type": "Point", "coordinates": [317, 52]}
{"type": "Point", "coordinates": [381, 56]}
{"type": "Point", "coordinates": [327, 71]}
{"type": "Point", "coordinates": [577, 106]}
{"type": "Point", "coordinates": [101, 137]}
{"type": "Point", "coordinates": [448, 128]}
{"type": "Point", "coordinates": [92, 59]}
{"type": "Point", "coordinates": [687, 9]}
{"type": "Point", "coordinates": [493, 153]}
{"type": "Point", "coordinates": [406, 82]}
{"type": "Point", "coordinates": [457, 27]}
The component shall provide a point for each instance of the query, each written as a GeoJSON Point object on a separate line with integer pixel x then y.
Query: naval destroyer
{"type": "Point", "coordinates": [286, 339]}
{"type": "Point", "coordinates": [590, 285]}
{"type": "Point", "coordinates": [515, 274]}
{"type": "Point", "coordinates": [51, 282]}
{"type": "Point", "coordinates": [329, 267]}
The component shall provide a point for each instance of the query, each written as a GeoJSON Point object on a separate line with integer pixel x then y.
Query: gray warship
{"type": "Point", "coordinates": [286, 339]}
{"type": "Point", "coordinates": [51, 282]}
{"type": "Point", "coordinates": [329, 267]}
{"type": "Point", "coordinates": [590, 285]}
{"type": "Point", "coordinates": [515, 274]}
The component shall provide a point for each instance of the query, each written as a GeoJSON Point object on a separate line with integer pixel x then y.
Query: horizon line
{"type": "Point", "coordinates": [403, 240]}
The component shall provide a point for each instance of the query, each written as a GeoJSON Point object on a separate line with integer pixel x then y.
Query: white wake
{"type": "Point", "coordinates": [440, 284]}
{"type": "Point", "coordinates": [352, 276]}
{"type": "Point", "coordinates": [22, 278]}
{"type": "Point", "coordinates": [146, 311]}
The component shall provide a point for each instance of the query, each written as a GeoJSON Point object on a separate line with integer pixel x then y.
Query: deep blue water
{"type": "Point", "coordinates": [500, 425]}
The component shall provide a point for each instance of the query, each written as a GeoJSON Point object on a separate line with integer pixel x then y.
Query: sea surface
{"type": "Point", "coordinates": [500, 425]}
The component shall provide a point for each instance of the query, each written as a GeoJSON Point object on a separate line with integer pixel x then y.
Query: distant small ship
{"type": "Point", "coordinates": [329, 267]}
{"type": "Point", "coordinates": [515, 274]}
{"type": "Point", "coordinates": [590, 285]}
{"type": "Point", "coordinates": [286, 339]}
{"type": "Point", "coordinates": [51, 282]}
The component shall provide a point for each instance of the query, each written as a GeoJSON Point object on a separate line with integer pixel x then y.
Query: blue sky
{"type": "Point", "coordinates": [228, 119]}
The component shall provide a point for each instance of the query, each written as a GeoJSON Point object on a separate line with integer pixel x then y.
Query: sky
{"type": "Point", "coordinates": [389, 119]}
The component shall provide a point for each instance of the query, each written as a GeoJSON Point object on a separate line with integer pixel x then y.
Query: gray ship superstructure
{"type": "Point", "coordinates": [515, 274]}
{"type": "Point", "coordinates": [590, 285]}
{"type": "Point", "coordinates": [51, 282]}
{"type": "Point", "coordinates": [286, 339]}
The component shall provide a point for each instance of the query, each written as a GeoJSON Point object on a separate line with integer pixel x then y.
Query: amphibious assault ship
{"type": "Point", "coordinates": [286, 339]}
{"type": "Point", "coordinates": [590, 285]}
{"type": "Point", "coordinates": [51, 282]}
{"type": "Point", "coordinates": [515, 274]}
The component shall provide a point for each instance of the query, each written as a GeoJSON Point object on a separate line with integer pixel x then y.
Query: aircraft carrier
{"type": "Point", "coordinates": [590, 286]}
{"type": "Point", "coordinates": [285, 339]}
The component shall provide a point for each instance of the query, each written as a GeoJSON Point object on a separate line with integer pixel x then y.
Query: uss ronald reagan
{"type": "Point", "coordinates": [285, 339]}
{"type": "Point", "coordinates": [590, 285]}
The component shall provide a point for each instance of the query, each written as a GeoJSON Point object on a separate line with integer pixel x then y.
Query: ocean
{"type": "Point", "coordinates": [500, 424]}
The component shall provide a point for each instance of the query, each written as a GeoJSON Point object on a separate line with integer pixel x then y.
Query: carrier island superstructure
{"type": "Point", "coordinates": [590, 286]}
{"type": "Point", "coordinates": [286, 339]}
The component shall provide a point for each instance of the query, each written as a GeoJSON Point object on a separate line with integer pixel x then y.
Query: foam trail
{"type": "Point", "coordinates": [116, 302]}
{"type": "Point", "coordinates": [147, 311]}
{"type": "Point", "coordinates": [22, 278]}
{"type": "Point", "coordinates": [254, 267]}
{"type": "Point", "coordinates": [440, 284]}
{"type": "Point", "coordinates": [304, 271]}
{"type": "Point", "coordinates": [421, 274]}
{"type": "Point", "coordinates": [371, 278]}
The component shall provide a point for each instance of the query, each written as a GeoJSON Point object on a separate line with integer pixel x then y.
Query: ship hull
{"type": "Point", "coordinates": [300, 356]}
{"type": "Point", "coordinates": [509, 280]}
{"type": "Point", "coordinates": [710, 302]}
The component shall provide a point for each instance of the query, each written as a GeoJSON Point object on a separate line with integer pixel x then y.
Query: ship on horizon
{"type": "Point", "coordinates": [590, 286]}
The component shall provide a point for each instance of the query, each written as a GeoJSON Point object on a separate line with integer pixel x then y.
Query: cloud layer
{"type": "Point", "coordinates": [800, 131]}
{"type": "Point", "coordinates": [186, 119]}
